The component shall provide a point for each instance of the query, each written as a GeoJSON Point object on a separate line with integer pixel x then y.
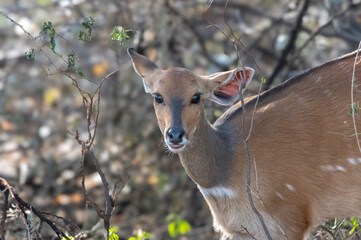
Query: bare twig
{"type": "Point", "coordinates": [352, 102]}
{"type": "Point", "coordinates": [290, 44]}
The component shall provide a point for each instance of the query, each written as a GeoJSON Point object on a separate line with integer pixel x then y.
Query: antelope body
{"type": "Point", "coordinates": [306, 165]}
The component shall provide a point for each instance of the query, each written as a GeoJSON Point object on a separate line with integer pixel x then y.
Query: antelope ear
{"type": "Point", "coordinates": [143, 67]}
{"type": "Point", "coordinates": [226, 86]}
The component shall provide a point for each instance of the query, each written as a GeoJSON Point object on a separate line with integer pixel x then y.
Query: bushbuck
{"type": "Point", "coordinates": [306, 164]}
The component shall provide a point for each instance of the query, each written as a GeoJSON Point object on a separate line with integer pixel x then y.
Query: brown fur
{"type": "Point", "coordinates": [302, 145]}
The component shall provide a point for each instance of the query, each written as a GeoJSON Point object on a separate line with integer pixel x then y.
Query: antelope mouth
{"type": "Point", "coordinates": [176, 148]}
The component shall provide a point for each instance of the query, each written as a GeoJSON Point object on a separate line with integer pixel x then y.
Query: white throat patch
{"type": "Point", "coordinates": [219, 192]}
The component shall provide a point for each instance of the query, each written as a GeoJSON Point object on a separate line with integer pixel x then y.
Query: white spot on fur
{"type": "Point", "coordinates": [279, 195]}
{"type": "Point", "coordinates": [340, 168]}
{"type": "Point", "coordinates": [352, 161]}
{"type": "Point", "coordinates": [359, 160]}
{"type": "Point", "coordinates": [328, 92]}
{"type": "Point", "coordinates": [329, 95]}
{"type": "Point", "coordinates": [290, 187]}
{"type": "Point", "coordinates": [217, 192]}
{"type": "Point", "coordinates": [318, 79]}
{"type": "Point", "coordinates": [303, 102]}
{"type": "Point", "coordinates": [328, 168]}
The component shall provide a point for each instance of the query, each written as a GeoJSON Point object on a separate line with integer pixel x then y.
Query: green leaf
{"type": "Point", "coordinates": [113, 236]}
{"type": "Point", "coordinates": [172, 229]}
{"type": "Point", "coordinates": [263, 80]}
{"type": "Point", "coordinates": [141, 235]}
{"type": "Point", "coordinates": [120, 34]}
{"type": "Point", "coordinates": [48, 27]}
{"type": "Point", "coordinates": [79, 72]}
{"type": "Point", "coordinates": [114, 229]}
{"type": "Point", "coordinates": [346, 223]}
{"type": "Point", "coordinates": [69, 237]}
{"type": "Point", "coordinates": [85, 33]}
{"type": "Point", "coordinates": [30, 55]}
{"type": "Point", "coordinates": [353, 229]}
{"type": "Point", "coordinates": [113, 233]}
{"type": "Point", "coordinates": [71, 60]}
{"type": "Point", "coordinates": [184, 227]}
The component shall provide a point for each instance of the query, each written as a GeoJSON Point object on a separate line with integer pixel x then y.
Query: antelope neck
{"type": "Point", "coordinates": [207, 159]}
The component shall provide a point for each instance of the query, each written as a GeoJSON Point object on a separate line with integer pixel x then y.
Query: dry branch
{"type": "Point", "coordinates": [290, 44]}
{"type": "Point", "coordinates": [23, 206]}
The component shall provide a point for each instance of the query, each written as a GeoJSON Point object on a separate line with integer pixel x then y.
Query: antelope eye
{"type": "Point", "coordinates": [158, 98]}
{"type": "Point", "coordinates": [196, 98]}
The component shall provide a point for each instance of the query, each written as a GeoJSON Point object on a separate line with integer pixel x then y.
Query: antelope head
{"type": "Point", "coordinates": [179, 95]}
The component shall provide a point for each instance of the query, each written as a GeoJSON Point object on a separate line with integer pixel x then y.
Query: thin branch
{"type": "Point", "coordinates": [108, 199]}
{"type": "Point", "coordinates": [352, 101]}
{"type": "Point", "coordinates": [259, 215]}
{"type": "Point", "coordinates": [315, 33]}
{"type": "Point", "coordinates": [290, 44]}
{"type": "Point", "coordinates": [88, 200]}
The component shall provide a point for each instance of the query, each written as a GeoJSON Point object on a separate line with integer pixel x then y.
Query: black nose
{"type": "Point", "coordinates": [175, 135]}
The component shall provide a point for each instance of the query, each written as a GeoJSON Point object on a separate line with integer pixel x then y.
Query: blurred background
{"type": "Point", "coordinates": [40, 109]}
